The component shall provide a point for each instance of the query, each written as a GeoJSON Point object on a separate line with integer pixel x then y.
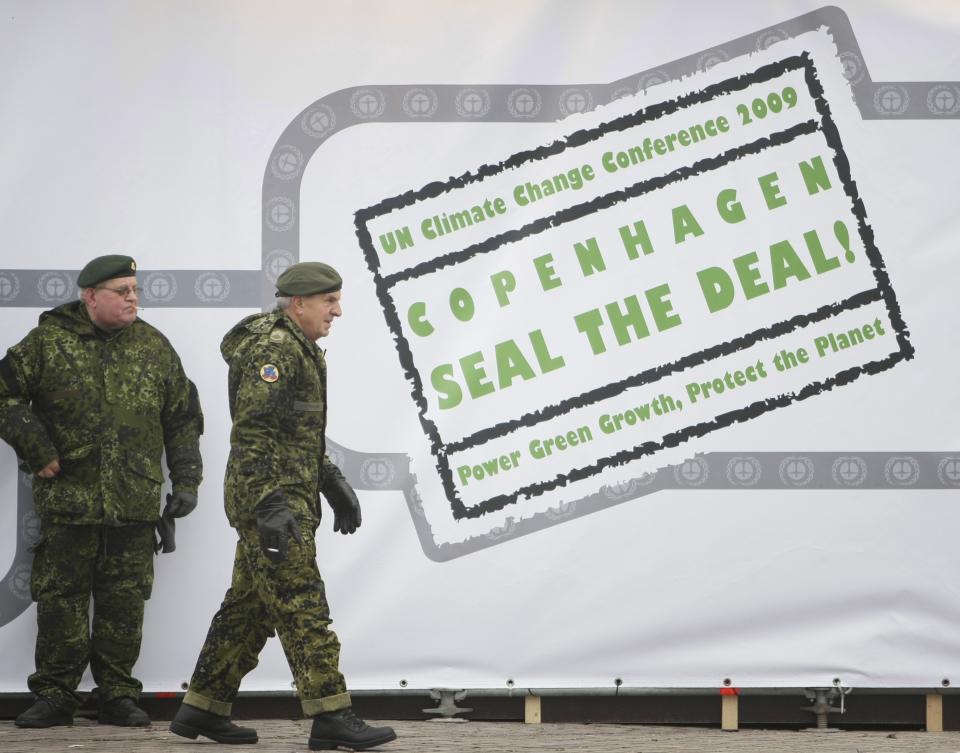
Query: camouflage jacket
{"type": "Point", "coordinates": [278, 404]}
{"type": "Point", "coordinates": [107, 405]}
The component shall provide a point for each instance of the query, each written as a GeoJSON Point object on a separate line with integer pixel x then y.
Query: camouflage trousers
{"type": "Point", "coordinates": [288, 597]}
{"type": "Point", "coordinates": [71, 563]}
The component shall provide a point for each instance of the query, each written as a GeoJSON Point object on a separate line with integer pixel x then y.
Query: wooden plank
{"type": "Point", "coordinates": [934, 713]}
{"type": "Point", "coordinates": [531, 709]}
{"type": "Point", "coordinates": [730, 712]}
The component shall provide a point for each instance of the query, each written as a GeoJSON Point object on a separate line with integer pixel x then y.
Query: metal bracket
{"type": "Point", "coordinates": [447, 708]}
{"type": "Point", "coordinates": [822, 705]}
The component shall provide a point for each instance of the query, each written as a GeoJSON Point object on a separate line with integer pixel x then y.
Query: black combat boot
{"type": "Point", "coordinates": [122, 712]}
{"type": "Point", "coordinates": [191, 721]}
{"type": "Point", "coordinates": [345, 729]}
{"type": "Point", "coordinates": [44, 713]}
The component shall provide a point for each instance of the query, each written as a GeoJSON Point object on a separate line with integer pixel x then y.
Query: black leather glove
{"type": "Point", "coordinates": [167, 531]}
{"type": "Point", "coordinates": [276, 524]}
{"type": "Point", "coordinates": [180, 504]}
{"type": "Point", "coordinates": [343, 500]}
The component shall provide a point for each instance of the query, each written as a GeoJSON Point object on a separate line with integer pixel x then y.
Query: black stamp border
{"type": "Point", "coordinates": [883, 291]}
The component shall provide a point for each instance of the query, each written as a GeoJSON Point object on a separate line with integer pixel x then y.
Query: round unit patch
{"type": "Point", "coordinates": [269, 372]}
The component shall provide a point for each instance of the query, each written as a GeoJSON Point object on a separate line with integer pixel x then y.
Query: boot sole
{"type": "Point", "coordinates": [44, 725]}
{"type": "Point", "coordinates": [185, 730]}
{"type": "Point", "coordinates": [322, 743]}
{"type": "Point", "coordinates": [122, 722]}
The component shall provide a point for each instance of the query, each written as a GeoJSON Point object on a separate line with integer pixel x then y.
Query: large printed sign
{"type": "Point", "coordinates": [633, 286]}
{"type": "Point", "coordinates": [710, 299]}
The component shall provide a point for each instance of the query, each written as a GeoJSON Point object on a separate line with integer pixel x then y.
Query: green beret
{"type": "Point", "coordinates": [308, 278]}
{"type": "Point", "coordinates": [106, 268]}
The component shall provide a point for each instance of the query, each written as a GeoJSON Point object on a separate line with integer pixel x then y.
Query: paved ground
{"type": "Point", "coordinates": [486, 737]}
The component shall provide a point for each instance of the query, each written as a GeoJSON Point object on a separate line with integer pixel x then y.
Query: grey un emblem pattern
{"type": "Point", "coordinates": [472, 103]}
{"type": "Point", "coordinates": [421, 102]}
{"type": "Point", "coordinates": [9, 287]}
{"type": "Point", "coordinates": [517, 103]}
{"type": "Point", "coordinates": [159, 287]}
{"type": "Point", "coordinates": [55, 287]}
{"type": "Point", "coordinates": [212, 287]}
{"type": "Point", "coordinates": [319, 122]}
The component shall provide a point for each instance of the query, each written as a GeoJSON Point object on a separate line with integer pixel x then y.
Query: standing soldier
{"type": "Point", "coordinates": [276, 471]}
{"type": "Point", "coordinates": [89, 400]}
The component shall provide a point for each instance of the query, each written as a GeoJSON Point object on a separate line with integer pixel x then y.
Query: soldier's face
{"type": "Point", "coordinates": [317, 312]}
{"type": "Point", "coordinates": [113, 303]}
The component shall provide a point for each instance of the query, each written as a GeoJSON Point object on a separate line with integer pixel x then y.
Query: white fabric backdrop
{"type": "Point", "coordinates": [146, 128]}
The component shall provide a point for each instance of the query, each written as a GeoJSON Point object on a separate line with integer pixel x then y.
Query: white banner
{"type": "Point", "coordinates": [646, 378]}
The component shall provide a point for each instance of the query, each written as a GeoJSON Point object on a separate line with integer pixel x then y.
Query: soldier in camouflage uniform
{"type": "Point", "coordinates": [89, 400]}
{"type": "Point", "coordinates": [276, 470]}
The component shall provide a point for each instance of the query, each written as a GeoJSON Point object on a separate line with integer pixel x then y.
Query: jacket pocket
{"type": "Point", "coordinates": [142, 480]}
{"type": "Point", "coordinates": [144, 468]}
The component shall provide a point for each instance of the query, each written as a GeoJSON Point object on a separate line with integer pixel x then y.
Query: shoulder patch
{"type": "Point", "coordinates": [269, 373]}
{"type": "Point", "coordinates": [277, 336]}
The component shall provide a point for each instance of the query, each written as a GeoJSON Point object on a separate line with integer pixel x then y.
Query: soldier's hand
{"type": "Point", "coordinates": [276, 526]}
{"type": "Point", "coordinates": [180, 504]}
{"type": "Point", "coordinates": [50, 470]}
{"type": "Point", "coordinates": [343, 500]}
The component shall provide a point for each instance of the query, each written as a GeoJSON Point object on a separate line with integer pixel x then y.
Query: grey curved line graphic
{"type": "Point", "coordinates": [498, 103]}
{"type": "Point", "coordinates": [15, 586]}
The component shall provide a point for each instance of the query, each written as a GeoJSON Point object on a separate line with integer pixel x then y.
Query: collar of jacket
{"type": "Point", "coordinates": [73, 317]}
{"type": "Point", "coordinates": [262, 324]}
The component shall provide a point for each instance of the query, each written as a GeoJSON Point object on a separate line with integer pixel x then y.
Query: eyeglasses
{"type": "Point", "coordinates": [123, 292]}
